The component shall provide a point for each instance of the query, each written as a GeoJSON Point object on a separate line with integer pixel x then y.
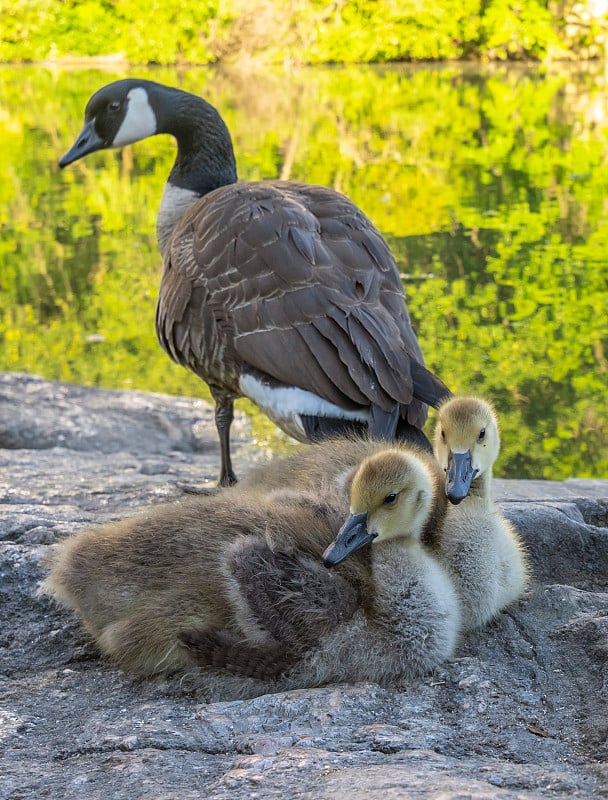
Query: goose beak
{"type": "Point", "coordinates": [459, 476]}
{"type": "Point", "coordinates": [351, 537]}
{"type": "Point", "coordinates": [87, 142]}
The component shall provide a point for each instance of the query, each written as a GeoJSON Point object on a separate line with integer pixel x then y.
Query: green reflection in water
{"type": "Point", "coordinates": [490, 186]}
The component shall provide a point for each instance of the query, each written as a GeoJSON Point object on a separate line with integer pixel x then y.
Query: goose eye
{"type": "Point", "coordinates": [390, 499]}
{"type": "Point", "coordinates": [114, 105]}
{"type": "Point", "coordinates": [482, 435]}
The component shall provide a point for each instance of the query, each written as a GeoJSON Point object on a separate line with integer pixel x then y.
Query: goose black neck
{"type": "Point", "coordinates": [205, 157]}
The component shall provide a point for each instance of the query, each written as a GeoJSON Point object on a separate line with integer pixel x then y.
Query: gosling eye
{"type": "Point", "coordinates": [482, 435]}
{"type": "Point", "coordinates": [114, 105]}
{"type": "Point", "coordinates": [390, 499]}
{"type": "Point", "coordinates": [443, 435]}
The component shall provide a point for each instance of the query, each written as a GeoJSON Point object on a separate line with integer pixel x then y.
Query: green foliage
{"type": "Point", "coordinates": [367, 31]}
{"type": "Point", "coordinates": [297, 31]}
{"type": "Point", "coordinates": [517, 30]}
{"type": "Point", "coordinates": [489, 187]}
{"type": "Point", "coordinates": [151, 32]}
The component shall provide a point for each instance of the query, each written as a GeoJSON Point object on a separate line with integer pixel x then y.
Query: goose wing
{"type": "Point", "coordinates": [295, 281]}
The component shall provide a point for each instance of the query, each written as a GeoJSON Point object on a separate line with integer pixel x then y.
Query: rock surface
{"type": "Point", "coordinates": [520, 712]}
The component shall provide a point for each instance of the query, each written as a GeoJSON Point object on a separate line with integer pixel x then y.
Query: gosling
{"type": "Point", "coordinates": [233, 583]}
{"type": "Point", "coordinates": [480, 549]}
{"type": "Point", "coordinates": [408, 619]}
{"type": "Point", "coordinates": [145, 586]}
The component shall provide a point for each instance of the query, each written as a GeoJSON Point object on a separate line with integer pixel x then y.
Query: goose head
{"type": "Point", "coordinates": [119, 114]}
{"type": "Point", "coordinates": [466, 443]}
{"type": "Point", "coordinates": [391, 493]}
{"type": "Point", "coordinates": [129, 110]}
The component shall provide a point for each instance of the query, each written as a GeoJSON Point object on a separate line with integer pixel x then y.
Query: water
{"type": "Point", "coordinates": [490, 185]}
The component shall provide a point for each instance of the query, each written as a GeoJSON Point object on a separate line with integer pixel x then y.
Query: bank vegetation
{"type": "Point", "coordinates": [301, 31]}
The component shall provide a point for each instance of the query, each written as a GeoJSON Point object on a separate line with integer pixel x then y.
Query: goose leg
{"type": "Point", "coordinates": [412, 435]}
{"type": "Point", "coordinates": [293, 597]}
{"type": "Point", "coordinates": [383, 424]}
{"type": "Point", "coordinates": [224, 414]}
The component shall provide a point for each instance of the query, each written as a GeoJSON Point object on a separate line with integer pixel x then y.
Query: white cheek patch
{"type": "Point", "coordinates": [139, 121]}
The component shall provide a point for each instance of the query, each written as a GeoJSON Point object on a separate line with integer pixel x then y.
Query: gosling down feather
{"type": "Point", "coordinates": [481, 550]}
{"type": "Point", "coordinates": [144, 586]}
{"type": "Point", "coordinates": [232, 585]}
{"type": "Point", "coordinates": [408, 618]}
{"type": "Point", "coordinates": [327, 469]}
{"type": "Point", "coordinates": [278, 291]}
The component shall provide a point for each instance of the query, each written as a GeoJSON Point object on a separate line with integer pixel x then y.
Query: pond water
{"type": "Point", "coordinates": [491, 186]}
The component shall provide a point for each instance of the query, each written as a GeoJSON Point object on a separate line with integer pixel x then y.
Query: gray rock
{"type": "Point", "coordinates": [520, 712]}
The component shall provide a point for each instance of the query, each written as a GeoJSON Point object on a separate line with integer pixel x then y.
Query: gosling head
{"type": "Point", "coordinates": [466, 443]}
{"type": "Point", "coordinates": [390, 498]}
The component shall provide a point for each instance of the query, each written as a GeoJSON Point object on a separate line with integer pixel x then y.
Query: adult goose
{"type": "Point", "coordinates": [281, 292]}
{"type": "Point", "coordinates": [480, 548]}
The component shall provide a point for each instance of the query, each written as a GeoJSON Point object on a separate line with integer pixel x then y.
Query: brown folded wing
{"type": "Point", "coordinates": [296, 282]}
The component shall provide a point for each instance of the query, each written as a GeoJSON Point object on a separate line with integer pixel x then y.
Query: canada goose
{"type": "Point", "coordinates": [408, 618]}
{"type": "Point", "coordinates": [281, 292]}
{"type": "Point", "coordinates": [478, 546]}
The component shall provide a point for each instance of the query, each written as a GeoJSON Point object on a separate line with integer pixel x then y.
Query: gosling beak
{"type": "Point", "coordinates": [352, 536]}
{"type": "Point", "coordinates": [459, 476]}
{"type": "Point", "coordinates": [87, 142]}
